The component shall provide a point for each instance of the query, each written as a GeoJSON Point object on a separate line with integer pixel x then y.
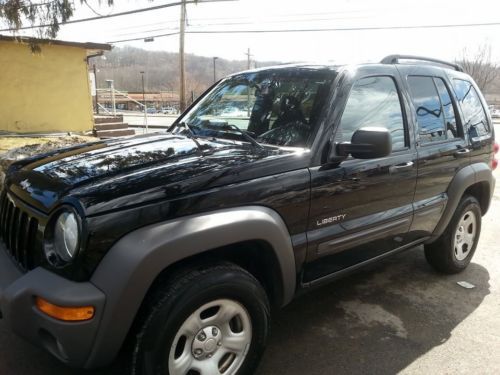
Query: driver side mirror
{"type": "Point", "coordinates": [366, 143]}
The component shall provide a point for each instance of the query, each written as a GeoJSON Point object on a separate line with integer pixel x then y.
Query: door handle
{"type": "Point", "coordinates": [401, 167]}
{"type": "Point", "coordinates": [462, 153]}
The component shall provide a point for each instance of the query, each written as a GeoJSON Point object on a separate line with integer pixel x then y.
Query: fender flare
{"type": "Point", "coordinates": [465, 178]}
{"type": "Point", "coordinates": [129, 268]}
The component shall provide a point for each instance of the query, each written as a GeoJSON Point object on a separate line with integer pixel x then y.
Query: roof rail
{"type": "Point", "coordinates": [394, 59]}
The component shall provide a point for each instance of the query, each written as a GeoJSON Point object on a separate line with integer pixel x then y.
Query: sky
{"type": "Point", "coordinates": [330, 46]}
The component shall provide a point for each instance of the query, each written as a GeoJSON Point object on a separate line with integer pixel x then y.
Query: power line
{"type": "Point", "coordinates": [342, 28]}
{"type": "Point", "coordinates": [230, 24]}
{"type": "Point", "coordinates": [101, 16]}
{"type": "Point", "coordinates": [95, 11]}
{"type": "Point", "coordinates": [148, 31]}
{"type": "Point", "coordinates": [118, 14]}
{"type": "Point", "coordinates": [247, 20]}
{"type": "Point", "coordinates": [369, 28]}
{"type": "Point", "coordinates": [142, 38]}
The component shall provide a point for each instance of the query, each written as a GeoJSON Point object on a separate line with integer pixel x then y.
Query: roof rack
{"type": "Point", "coordinates": [394, 59]}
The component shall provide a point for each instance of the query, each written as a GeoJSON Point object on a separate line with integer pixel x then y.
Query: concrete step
{"type": "Point", "coordinates": [114, 133]}
{"type": "Point", "coordinates": [111, 126]}
{"type": "Point", "coordinates": [107, 119]}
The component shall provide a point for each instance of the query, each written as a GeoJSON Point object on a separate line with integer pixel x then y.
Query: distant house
{"type": "Point", "coordinates": [46, 91]}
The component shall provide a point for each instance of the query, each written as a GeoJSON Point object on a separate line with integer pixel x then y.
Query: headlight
{"type": "Point", "coordinates": [62, 244]}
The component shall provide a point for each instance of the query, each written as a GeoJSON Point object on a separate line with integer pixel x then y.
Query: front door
{"type": "Point", "coordinates": [361, 209]}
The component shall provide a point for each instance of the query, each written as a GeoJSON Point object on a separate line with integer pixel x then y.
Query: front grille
{"type": "Point", "coordinates": [18, 230]}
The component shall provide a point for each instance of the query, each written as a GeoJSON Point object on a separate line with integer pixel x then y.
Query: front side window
{"type": "Point", "coordinates": [278, 107]}
{"type": "Point", "coordinates": [430, 114]}
{"type": "Point", "coordinates": [373, 102]}
{"type": "Point", "coordinates": [473, 111]}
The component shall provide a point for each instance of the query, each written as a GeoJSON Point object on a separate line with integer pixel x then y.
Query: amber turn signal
{"type": "Point", "coordinates": [68, 314]}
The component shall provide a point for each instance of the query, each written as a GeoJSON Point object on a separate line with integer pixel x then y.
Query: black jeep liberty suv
{"type": "Point", "coordinates": [176, 246]}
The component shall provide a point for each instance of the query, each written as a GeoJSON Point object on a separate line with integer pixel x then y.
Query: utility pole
{"type": "Point", "coordinates": [182, 91]}
{"type": "Point", "coordinates": [96, 94]}
{"type": "Point", "coordinates": [112, 93]}
{"type": "Point", "coordinates": [215, 77]}
{"type": "Point", "coordinates": [248, 88]}
{"type": "Point", "coordinates": [248, 58]}
{"type": "Point", "coordinates": [144, 103]}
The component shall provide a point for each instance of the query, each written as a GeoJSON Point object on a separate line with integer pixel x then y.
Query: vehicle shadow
{"type": "Point", "coordinates": [377, 321]}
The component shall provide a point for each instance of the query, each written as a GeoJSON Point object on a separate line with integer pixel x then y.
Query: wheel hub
{"type": "Point", "coordinates": [206, 342]}
{"type": "Point", "coordinates": [214, 339]}
{"type": "Point", "coordinates": [465, 235]}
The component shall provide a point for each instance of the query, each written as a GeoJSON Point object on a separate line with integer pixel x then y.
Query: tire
{"type": "Point", "coordinates": [450, 257]}
{"type": "Point", "coordinates": [187, 325]}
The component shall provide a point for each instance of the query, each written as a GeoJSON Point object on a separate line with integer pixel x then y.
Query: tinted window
{"type": "Point", "coordinates": [474, 114]}
{"type": "Point", "coordinates": [427, 104]}
{"type": "Point", "coordinates": [448, 110]}
{"type": "Point", "coordinates": [279, 107]}
{"type": "Point", "coordinates": [373, 101]}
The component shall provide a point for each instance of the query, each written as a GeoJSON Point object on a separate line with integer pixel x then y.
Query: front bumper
{"type": "Point", "coordinates": [70, 342]}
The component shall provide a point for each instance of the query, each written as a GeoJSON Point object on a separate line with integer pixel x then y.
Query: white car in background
{"type": "Point", "coordinates": [495, 113]}
{"type": "Point", "coordinates": [168, 111]}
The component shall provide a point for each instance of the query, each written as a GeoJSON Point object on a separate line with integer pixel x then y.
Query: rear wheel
{"type": "Point", "coordinates": [453, 251]}
{"type": "Point", "coordinates": [206, 322]}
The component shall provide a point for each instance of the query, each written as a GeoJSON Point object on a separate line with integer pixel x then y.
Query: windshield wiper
{"type": "Point", "coordinates": [223, 129]}
{"type": "Point", "coordinates": [187, 128]}
{"type": "Point", "coordinates": [246, 136]}
{"type": "Point", "coordinates": [191, 134]}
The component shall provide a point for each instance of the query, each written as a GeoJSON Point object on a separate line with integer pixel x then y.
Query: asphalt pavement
{"type": "Point", "coordinates": [156, 122]}
{"type": "Point", "coordinates": [397, 316]}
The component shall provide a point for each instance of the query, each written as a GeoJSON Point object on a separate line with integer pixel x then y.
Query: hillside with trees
{"type": "Point", "coordinates": [161, 70]}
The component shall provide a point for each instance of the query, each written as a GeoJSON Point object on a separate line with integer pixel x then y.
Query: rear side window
{"type": "Point", "coordinates": [430, 114]}
{"type": "Point", "coordinates": [373, 101]}
{"type": "Point", "coordinates": [474, 114]}
{"type": "Point", "coordinates": [448, 110]}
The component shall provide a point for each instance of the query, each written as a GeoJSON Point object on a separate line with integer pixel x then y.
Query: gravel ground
{"type": "Point", "coordinates": [15, 148]}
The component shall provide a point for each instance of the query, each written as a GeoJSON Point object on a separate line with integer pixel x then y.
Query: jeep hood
{"type": "Point", "coordinates": [117, 173]}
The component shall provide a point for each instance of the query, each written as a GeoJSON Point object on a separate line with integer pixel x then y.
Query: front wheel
{"type": "Point", "coordinates": [453, 251]}
{"type": "Point", "coordinates": [207, 322]}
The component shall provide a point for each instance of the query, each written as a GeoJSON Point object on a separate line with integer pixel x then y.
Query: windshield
{"type": "Point", "coordinates": [278, 107]}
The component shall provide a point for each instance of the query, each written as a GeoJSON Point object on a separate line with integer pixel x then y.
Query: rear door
{"type": "Point", "coordinates": [442, 146]}
{"type": "Point", "coordinates": [361, 209]}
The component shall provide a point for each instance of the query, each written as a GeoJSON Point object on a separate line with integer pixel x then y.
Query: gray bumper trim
{"type": "Point", "coordinates": [69, 342]}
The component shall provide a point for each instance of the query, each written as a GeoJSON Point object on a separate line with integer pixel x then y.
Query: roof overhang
{"type": "Point", "coordinates": [92, 48]}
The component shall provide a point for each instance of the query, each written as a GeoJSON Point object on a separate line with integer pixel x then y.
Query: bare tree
{"type": "Point", "coordinates": [50, 13]}
{"type": "Point", "coordinates": [479, 66]}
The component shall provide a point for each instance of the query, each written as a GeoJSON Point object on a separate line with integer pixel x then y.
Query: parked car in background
{"type": "Point", "coordinates": [168, 110]}
{"type": "Point", "coordinates": [178, 246]}
{"type": "Point", "coordinates": [151, 110]}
